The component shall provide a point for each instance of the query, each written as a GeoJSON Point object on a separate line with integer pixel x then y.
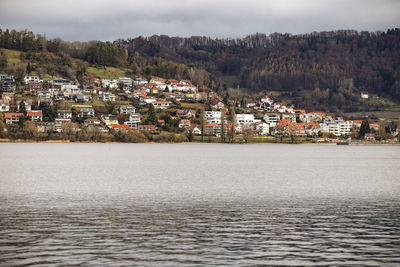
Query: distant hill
{"type": "Point", "coordinates": [324, 71]}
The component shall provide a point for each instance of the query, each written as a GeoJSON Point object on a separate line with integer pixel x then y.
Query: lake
{"type": "Point", "coordinates": [198, 205]}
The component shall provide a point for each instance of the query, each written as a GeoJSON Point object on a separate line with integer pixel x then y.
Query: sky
{"type": "Point", "coordinates": [85, 20]}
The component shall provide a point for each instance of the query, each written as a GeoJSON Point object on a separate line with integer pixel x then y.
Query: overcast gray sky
{"type": "Point", "coordinates": [84, 20]}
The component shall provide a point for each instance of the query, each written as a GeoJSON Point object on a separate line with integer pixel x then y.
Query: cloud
{"type": "Point", "coordinates": [108, 20]}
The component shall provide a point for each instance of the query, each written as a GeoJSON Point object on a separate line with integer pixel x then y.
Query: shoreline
{"type": "Point", "coordinates": [5, 140]}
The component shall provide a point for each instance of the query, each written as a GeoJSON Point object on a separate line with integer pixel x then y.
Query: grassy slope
{"type": "Point", "coordinates": [106, 72]}
{"type": "Point", "coordinates": [13, 56]}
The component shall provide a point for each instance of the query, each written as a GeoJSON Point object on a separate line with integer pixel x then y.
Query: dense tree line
{"type": "Point", "coordinates": [291, 63]}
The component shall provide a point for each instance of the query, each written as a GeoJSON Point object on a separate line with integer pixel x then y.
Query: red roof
{"type": "Point", "coordinates": [319, 113]}
{"type": "Point", "coordinates": [123, 126]}
{"type": "Point", "coordinates": [34, 113]}
{"type": "Point", "coordinates": [12, 115]}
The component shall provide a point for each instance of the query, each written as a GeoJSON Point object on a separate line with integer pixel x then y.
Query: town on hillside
{"type": "Point", "coordinates": [164, 110]}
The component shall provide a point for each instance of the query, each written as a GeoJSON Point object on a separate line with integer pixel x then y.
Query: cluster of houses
{"type": "Point", "coordinates": [278, 119]}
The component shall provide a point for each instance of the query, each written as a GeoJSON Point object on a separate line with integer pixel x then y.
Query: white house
{"type": "Point", "coordinates": [59, 82]}
{"type": "Point", "coordinates": [44, 94]}
{"type": "Point", "coordinates": [131, 124]}
{"type": "Point", "coordinates": [244, 118]}
{"type": "Point", "coordinates": [4, 106]}
{"type": "Point", "coordinates": [337, 127]}
{"type": "Point", "coordinates": [147, 99]}
{"type": "Point", "coordinates": [261, 128]}
{"type": "Point", "coordinates": [111, 83]}
{"type": "Point", "coordinates": [35, 115]}
{"type": "Point", "coordinates": [107, 97]}
{"type": "Point", "coordinates": [161, 104]}
{"type": "Point", "coordinates": [32, 79]}
{"type": "Point", "coordinates": [272, 118]}
{"type": "Point", "coordinates": [85, 112]}
{"type": "Point", "coordinates": [213, 116]}
{"type": "Point", "coordinates": [126, 81]}
{"type": "Point", "coordinates": [127, 109]}
{"type": "Point", "coordinates": [134, 117]}
{"type": "Point", "coordinates": [65, 114]}
{"type": "Point", "coordinates": [139, 81]}
{"type": "Point", "coordinates": [70, 88]}
{"type": "Point", "coordinates": [364, 95]}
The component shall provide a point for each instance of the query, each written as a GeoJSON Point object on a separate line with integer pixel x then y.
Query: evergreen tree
{"type": "Point", "coordinates": [22, 108]}
{"type": "Point", "coordinates": [28, 68]}
{"type": "Point", "coordinates": [152, 119]}
{"type": "Point", "coordinates": [364, 129]}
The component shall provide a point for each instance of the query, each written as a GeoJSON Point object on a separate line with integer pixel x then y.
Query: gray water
{"type": "Point", "coordinates": [192, 204]}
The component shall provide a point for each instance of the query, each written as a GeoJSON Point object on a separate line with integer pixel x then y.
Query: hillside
{"type": "Point", "coordinates": [324, 71]}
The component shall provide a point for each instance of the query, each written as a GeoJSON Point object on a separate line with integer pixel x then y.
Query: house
{"type": "Point", "coordinates": [369, 136]}
{"type": "Point", "coordinates": [217, 104]}
{"type": "Point", "coordinates": [70, 88]}
{"type": "Point", "coordinates": [212, 129]}
{"type": "Point", "coordinates": [312, 128]}
{"type": "Point", "coordinates": [185, 113]}
{"type": "Point", "coordinates": [139, 81]}
{"type": "Point", "coordinates": [272, 118]}
{"type": "Point", "coordinates": [4, 106]}
{"type": "Point", "coordinates": [260, 128]}
{"type": "Point", "coordinates": [356, 124]}
{"type": "Point", "coordinates": [7, 96]}
{"type": "Point", "coordinates": [213, 116]}
{"type": "Point", "coordinates": [62, 121]}
{"type": "Point", "coordinates": [45, 127]}
{"type": "Point", "coordinates": [65, 114]}
{"type": "Point", "coordinates": [110, 83]}
{"type": "Point", "coordinates": [147, 128]}
{"type": "Point", "coordinates": [134, 117]}
{"type": "Point", "coordinates": [107, 97]}
{"type": "Point", "coordinates": [244, 118]}
{"type": "Point", "coordinates": [7, 78]}
{"type": "Point", "coordinates": [85, 112]}
{"type": "Point", "coordinates": [336, 127]}
{"type": "Point", "coordinates": [35, 115]}
{"type": "Point", "coordinates": [34, 86]}
{"type": "Point", "coordinates": [7, 86]}
{"type": "Point", "coordinates": [80, 98]}
{"type": "Point", "coordinates": [267, 100]}
{"type": "Point", "coordinates": [109, 120]}
{"type": "Point", "coordinates": [184, 123]}
{"type": "Point", "coordinates": [44, 94]}
{"type": "Point", "coordinates": [161, 104]}
{"type": "Point", "coordinates": [45, 100]}
{"type": "Point", "coordinates": [92, 121]}
{"type": "Point", "coordinates": [289, 116]}
{"type": "Point", "coordinates": [90, 89]}
{"type": "Point", "coordinates": [127, 109]}
{"type": "Point", "coordinates": [196, 130]}
{"type": "Point", "coordinates": [120, 127]}
{"type": "Point", "coordinates": [131, 124]}
{"type": "Point", "coordinates": [286, 128]}
{"type": "Point", "coordinates": [12, 117]}
{"type": "Point", "coordinates": [364, 95]}
{"type": "Point", "coordinates": [125, 81]}
{"type": "Point", "coordinates": [59, 82]}
{"type": "Point", "coordinates": [374, 126]}
{"type": "Point", "coordinates": [32, 79]}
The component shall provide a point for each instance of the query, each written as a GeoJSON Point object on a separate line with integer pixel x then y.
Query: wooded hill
{"type": "Point", "coordinates": [321, 71]}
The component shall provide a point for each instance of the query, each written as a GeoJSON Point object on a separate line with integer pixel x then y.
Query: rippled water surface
{"type": "Point", "coordinates": [165, 205]}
